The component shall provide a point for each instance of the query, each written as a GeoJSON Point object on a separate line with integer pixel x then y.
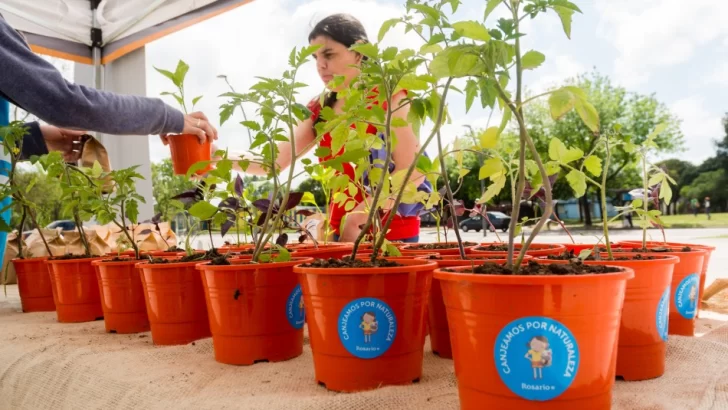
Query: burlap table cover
{"type": "Point", "coordinates": [48, 365]}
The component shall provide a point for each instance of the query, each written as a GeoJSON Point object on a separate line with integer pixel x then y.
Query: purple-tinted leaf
{"type": "Point", "coordinates": [305, 212]}
{"type": "Point", "coordinates": [262, 204]}
{"type": "Point", "coordinates": [442, 191]}
{"type": "Point", "coordinates": [187, 197]}
{"type": "Point", "coordinates": [225, 227]}
{"type": "Point", "coordinates": [261, 219]}
{"type": "Point", "coordinates": [302, 238]}
{"type": "Point", "coordinates": [157, 218]}
{"type": "Point", "coordinates": [239, 185]}
{"type": "Point", "coordinates": [229, 203]}
{"type": "Point", "coordinates": [282, 239]}
{"type": "Point", "coordinates": [294, 198]}
{"type": "Point", "coordinates": [145, 232]}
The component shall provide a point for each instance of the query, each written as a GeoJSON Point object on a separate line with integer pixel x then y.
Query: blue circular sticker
{"type": "Point", "coordinates": [537, 357]}
{"type": "Point", "coordinates": [663, 314]}
{"type": "Point", "coordinates": [367, 327]}
{"type": "Point", "coordinates": [294, 308]}
{"type": "Point", "coordinates": [686, 296]}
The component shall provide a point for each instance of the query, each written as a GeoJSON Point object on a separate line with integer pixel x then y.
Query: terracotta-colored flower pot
{"type": "Point", "coordinates": [578, 247]}
{"type": "Point", "coordinates": [175, 302]}
{"type": "Point", "coordinates": [186, 150]}
{"type": "Point", "coordinates": [34, 285]}
{"type": "Point", "coordinates": [122, 296]}
{"type": "Point", "coordinates": [255, 311]}
{"type": "Point", "coordinates": [535, 249]}
{"type": "Point", "coordinates": [75, 290]}
{"type": "Point", "coordinates": [706, 261]}
{"type": "Point", "coordinates": [534, 342]}
{"type": "Point", "coordinates": [685, 288]}
{"type": "Point", "coordinates": [367, 325]}
{"type": "Point", "coordinates": [644, 326]}
{"type": "Point", "coordinates": [336, 251]}
{"type": "Point", "coordinates": [453, 250]}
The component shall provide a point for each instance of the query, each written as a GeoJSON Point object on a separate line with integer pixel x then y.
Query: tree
{"type": "Point", "coordinates": [638, 114]}
{"type": "Point", "coordinates": [166, 185]}
{"type": "Point", "coordinates": [683, 172]}
{"type": "Point", "coordinates": [314, 187]}
{"type": "Point", "coordinates": [708, 184]}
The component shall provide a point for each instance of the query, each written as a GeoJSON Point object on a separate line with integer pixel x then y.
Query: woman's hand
{"type": "Point", "coordinates": [195, 124]}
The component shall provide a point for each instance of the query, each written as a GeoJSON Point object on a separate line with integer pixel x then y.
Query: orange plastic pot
{"type": "Point", "coordinates": [534, 342]}
{"type": "Point", "coordinates": [122, 296]}
{"type": "Point", "coordinates": [644, 325]}
{"type": "Point", "coordinates": [578, 247]}
{"type": "Point", "coordinates": [706, 261]}
{"type": "Point", "coordinates": [175, 302]}
{"type": "Point", "coordinates": [323, 252]}
{"type": "Point", "coordinates": [411, 249]}
{"type": "Point", "coordinates": [535, 249]}
{"type": "Point", "coordinates": [404, 254]}
{"type": "Point", "coordinates": [255, 311]}
{"type": "Point", "coordinates": [367, 325]}
{"type": "Point", "coordinates": [34, 285]}
{"type": "Point", "coordinates": [186, 150]}
{"type": "Point", "coordinates": [75, 290]}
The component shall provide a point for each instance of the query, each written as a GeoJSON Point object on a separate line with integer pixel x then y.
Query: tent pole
{"type": "Point", "coordinates": [96, 43]}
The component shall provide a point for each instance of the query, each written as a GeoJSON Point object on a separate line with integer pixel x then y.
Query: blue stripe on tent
{"type": "Point", "coordinates": [4, 120]}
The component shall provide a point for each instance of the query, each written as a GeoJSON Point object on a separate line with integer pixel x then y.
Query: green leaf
{"type": "Point", "coordinates": [557, 149]}
{"type": "Point", "coordinates": [349, 206]}
{"type": "Point", "coordinates": [491, 166]}
{"type": "Point", "coordinates": [657, 131]}
{"type": "Point", "coordinates": [572, 154]}
{"type": "Point", "coordinates": [637, 203]}
{"type": "Point", "coordinates": [588, 114]}
{"type": "Point", "coordinates": [561, 102]}
{"type": "Point", "coordinates": [492, 4]}
{"type": "Point", "coordinates": [577, 181]}
{"type": "Point", "coordinates": [339, 136]}
{"type": "Point", "coordinates": [197, 166]}
{"type": "Point", "coordinates": [565, 15]}
{"type": "Point", "coordinates": [584, 254]}
{"type": "Point", "coordinates": [493, 189]}
{"type": "Point", "coordinates": [424, 164]}
{"type": "Point", "coordinates": [471, 91]}
{"type": "Point", "coordinates": [426, 10]}
{"type": "Point", "coordinates": [251, 124]}
{"type": "Point", "coordinates": [412, 83]}
{"type": "Point", "coordinates": [593, 164]}
{"type": "Point", "coordinates": [472, 30]}
{"type": "Point", "coordinates": [398, 122]}
{"type": "Point", "coordinates": [666, 193]}
{"type": "Point", "coordinates": [457, 61]}
{"type": "Point", "coordinates": [367, 49]}
{"type": "Point", "coordinates": [167, 74]}
{"type": "Point", "coordinates": [430, 49]}
{"type": "Point", "coordinates": [507, 114]}
{"type": "Point", "coordinates": [532, 59]}
{"type": "Point", "coordinates": [96, 170]}
{"type": "Point", "coordinates": [203, 210]}
{"type": "Point", "coordinates": [386, 26]}
{"type": "Point", "coordinates": [181, 72]}
{"type": "Point", "coordinates": [629, 147]}
{"type": "Point", "coordinates": [656, 179]}
{"type": "Point", "coordinates": [132, 211]}
{"type": "Point", "coordinates": [389, 54]}
{"type": "Point", "coordinates": [462, 172]}
{"type": "Point", "coordinates": [195, 100]}
{"type": "Point", "coordinates": [489, 138]}
{"type": "Point", "coordinates": [283, 254]}
{"type": "Point", "coordinates": [391, 250]}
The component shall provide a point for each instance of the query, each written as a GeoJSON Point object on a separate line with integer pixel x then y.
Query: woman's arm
{"type": "Point", "coordinates": [405, 153]}
{"type": "Point", "coordinates": [305, 140]}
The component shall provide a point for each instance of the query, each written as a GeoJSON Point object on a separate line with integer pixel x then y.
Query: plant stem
{"type": "Point", "coordinates": [435, 129]}
{"type": "Point", "coordinates": [450, 198]}
{"type": "Point", "coordinates": [20, 235]}
{"type": "Point", "coordinates": [40, 233]}
{"type": "Point", "coordinates": [605, 221]}
{"type": "Point", "coordinates": [77, 218]}
{"type": "Point", "coordinates": [645, 201]}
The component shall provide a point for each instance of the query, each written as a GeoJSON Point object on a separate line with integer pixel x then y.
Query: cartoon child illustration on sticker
{"type": "Point", "coordinates": [693, 294]}
{"type": "Point", "coordinates": [539, 354]}
{"type": "Point", "coordinates": [369, 325]}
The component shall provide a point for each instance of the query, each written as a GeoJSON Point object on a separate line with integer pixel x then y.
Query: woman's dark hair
{"type": "Point", "coordinates": [342, 28]}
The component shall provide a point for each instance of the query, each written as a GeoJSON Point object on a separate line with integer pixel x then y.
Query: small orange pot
{"type": "Point", "coordinates": [412, 249]}
{"type": "Point", "coordinates": [534, 342]}
{"type": "Point", "coordinates": [122, 296]}
{"type": "Point", "coordinates": [367, 326]}
{"type": "Point", "coordinates": [186, 150]}
{"type": "Point", "coordinates": [578, 247]}
{"type": "Point", "coordinates": [255, 311]}
{"type": "Point", "coordinates": [535, 249]}
{"type": "Point", "coordinates": [323, 251]}
{"type": "Point", "coordinates": [175, 302]}
{"type": "Point", "coordinates": [75, 290]}
{"type": "Point", "coordinates": [34, 285]}
{"type": "Point", "coordinates": [685, 288]}
{"type": "Point", "coordinates": [706, 261]}
{"type": "Point", "coordinates": [437, 314]}
{"type": "Point", "coordinates": [644, 326]}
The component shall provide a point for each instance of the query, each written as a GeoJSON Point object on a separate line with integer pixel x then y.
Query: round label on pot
{"type": "Point", "coordinates": [367, 327]}
{"type": "Point", "coordinates": [294, 308]}
{"type": "Point", "coordinates": [686, 296]}
{"type": "Point", "coordinates": [663, 314]}
{"type": "Point", "coordinates": [537, 357]}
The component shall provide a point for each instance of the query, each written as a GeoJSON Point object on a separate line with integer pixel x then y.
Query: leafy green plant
{"type": "Point", "coordinates": [178, 79]}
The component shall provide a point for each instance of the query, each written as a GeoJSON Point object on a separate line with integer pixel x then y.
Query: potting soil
{"type": "Point", "coordinates": [48, 365]}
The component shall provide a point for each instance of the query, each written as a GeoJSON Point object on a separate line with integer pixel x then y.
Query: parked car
{"type": "Point", "coordinates": [65, 225]}
{"type": "Point", "coordinates": [427, 220]}
{"type": "Point", "coordinates": [499, 220]}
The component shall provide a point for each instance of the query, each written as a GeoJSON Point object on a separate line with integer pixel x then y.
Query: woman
{"type": "Point", "coordinates": [336, 34]}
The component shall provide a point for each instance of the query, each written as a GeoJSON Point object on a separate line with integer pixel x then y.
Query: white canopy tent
{"type": "Point", "coordinates": [106, 39]}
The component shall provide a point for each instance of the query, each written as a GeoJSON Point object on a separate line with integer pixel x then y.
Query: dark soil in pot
{"type": "Point", "coordinates": [433, 246]}
{"type": "Point", "coordinates": [534, 268]}
{"type": "Point", "coordinates": [570, 255]}
{"type": "Point", "coordinates": [347, 262]}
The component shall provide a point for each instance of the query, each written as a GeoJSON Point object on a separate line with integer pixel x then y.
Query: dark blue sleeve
{"type": "Point", "coordinates": [33, 142]}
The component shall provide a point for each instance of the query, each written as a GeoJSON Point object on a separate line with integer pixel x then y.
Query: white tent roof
{"type": "Point", "coordinates": [63, 27]}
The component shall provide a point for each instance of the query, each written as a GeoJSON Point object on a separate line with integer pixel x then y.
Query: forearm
{"type": "Point", "coordinates": [33, 142]}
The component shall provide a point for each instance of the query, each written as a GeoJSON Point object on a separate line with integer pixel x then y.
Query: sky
{"type": "Point", "coordinates": [673, 49]}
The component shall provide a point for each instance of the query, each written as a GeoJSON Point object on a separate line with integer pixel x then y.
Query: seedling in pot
{"type": "Point", "coordinates": [178, 79]}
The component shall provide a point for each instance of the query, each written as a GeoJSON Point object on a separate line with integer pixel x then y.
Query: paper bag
{"type": "Point", "coordinates": [35, 247]}
{"type": "Point", "coordinates": [74, 244]}
{"type": "Point", "coordinates": [166, 238]}
{"type": "Point", "coordinates": [11, 252]}
{"type": "Point", "coordinates": [92, 151]}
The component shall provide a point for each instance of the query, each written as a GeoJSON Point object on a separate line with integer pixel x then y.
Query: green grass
{"type": "Point", "coordinates": [700, 221]}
